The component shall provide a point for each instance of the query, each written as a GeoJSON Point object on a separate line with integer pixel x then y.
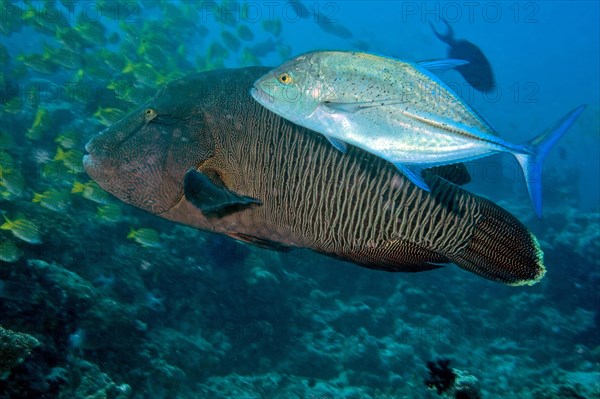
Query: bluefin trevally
{"type": "Point", "coordinates": [399, 111]}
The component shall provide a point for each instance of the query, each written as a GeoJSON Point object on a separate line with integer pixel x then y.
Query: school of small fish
{"type": "Point", "coordinates": [83, 71]}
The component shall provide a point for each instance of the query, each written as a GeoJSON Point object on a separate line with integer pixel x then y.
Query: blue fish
{"type": "Point", "coordinates": [396, 110]}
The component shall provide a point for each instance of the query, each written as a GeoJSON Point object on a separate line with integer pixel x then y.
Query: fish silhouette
{"type": "Point", "coordinates": [478, 72]}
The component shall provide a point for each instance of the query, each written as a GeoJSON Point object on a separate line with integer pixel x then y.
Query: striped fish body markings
{"type": "Point", "coordinates": [396, 110]}
{"type": "Point", "coordinates": [202, 152]}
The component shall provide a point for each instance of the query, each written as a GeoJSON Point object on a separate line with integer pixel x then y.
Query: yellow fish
{"type": "Point", "coordinates": [9, 252]}
{"type": "Point", "coordinates": [91, 191]}
{"type": "Point", "coordinates": [11, 179]}
{"type": "Point", "coordinates": [109, 115]}
{"type": "Point", "coordinates": [70, 158]}
{"type": "Point", "coordinates": [23, 229]}
{"type": "Point", "coordinates": [146, 237]}
{"type": "Point", "coordinates": [41, 123]}
{"type": "Point", "coordinates": [67, 139]}
{"type": "Point", "coordinates": [109, 212]}
{"type": "Point", "coordinates": [57, 201]}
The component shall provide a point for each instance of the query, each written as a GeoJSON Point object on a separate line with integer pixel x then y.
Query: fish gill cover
{"type": "Point", "coordinates": [101, 299]}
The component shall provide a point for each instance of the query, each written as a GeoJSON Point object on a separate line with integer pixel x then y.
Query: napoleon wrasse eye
{"type": "Point", "coordinates": [150, 114]}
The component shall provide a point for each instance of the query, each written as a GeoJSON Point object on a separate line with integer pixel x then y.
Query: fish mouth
{"type": "Point", "coordinates": [90, 163]}
{"type": "Point", "coordinates": [88, 146]}
{"type": "Point", "coordinates": [89, 166]}
{"type": "Point", "coordinates": [98, 144]}
{"type": "Point", "coordinates": [87, 158]}
{"type": "Point", "coordinates": [260, 95]}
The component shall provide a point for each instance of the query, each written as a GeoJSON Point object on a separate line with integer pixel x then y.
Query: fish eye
{"type": "Point", "coordinates": [285, 78]}
{"type": "Point", "coordinates": [150, 114]}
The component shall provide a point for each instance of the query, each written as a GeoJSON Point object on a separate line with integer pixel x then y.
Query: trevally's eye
{"type": "Point", "coordinates": [150, 114]}
{"type": "Point", "coordinates": [284, 78]}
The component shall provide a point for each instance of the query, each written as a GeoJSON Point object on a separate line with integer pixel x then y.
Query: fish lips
{"type": "Point", "coordinates": [101, 146]}
{"type": "Point", "coordinates": [96, 161]}
{"type": "Point", "coordinates": [92, 145]}
{"type": "Point", "coordinates": [88, 145]}
{"type": "Point", "coordinates": [260, 95]}
{"type": "Point", "coordinates": [88, 159]}
{"type": "Point", "coordinates": [95, 169]}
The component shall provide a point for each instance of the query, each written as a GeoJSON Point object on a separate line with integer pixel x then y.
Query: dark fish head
{"type": "Point", "coordinates": [142, 159]}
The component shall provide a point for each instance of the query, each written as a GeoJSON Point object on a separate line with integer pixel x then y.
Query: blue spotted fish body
{"type": "Point", "coordinates": [396, 110]}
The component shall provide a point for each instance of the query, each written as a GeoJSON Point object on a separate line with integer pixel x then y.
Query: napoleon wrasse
{"type": "Point", "coordinates": [203, 153]}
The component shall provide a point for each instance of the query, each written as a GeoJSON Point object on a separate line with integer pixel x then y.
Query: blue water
{"type": "Point", "coordinates": [199, 315]}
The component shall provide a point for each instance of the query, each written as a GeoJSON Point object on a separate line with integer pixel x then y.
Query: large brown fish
{"type": "Point", "coordinates": [202, 152]}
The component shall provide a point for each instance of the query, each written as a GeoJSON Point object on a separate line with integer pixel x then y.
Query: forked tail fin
{"type": "Point", "coordinates": [539, 147]}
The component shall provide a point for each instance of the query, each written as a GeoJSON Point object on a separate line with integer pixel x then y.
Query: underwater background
{"type": "Point", "coordinates": [101, 300]}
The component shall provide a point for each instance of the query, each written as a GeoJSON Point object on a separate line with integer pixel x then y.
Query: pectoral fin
{"type": "Point", "coordinates": [339, 145]}
{"type": "Point", "coordinates": [212, 199]}
{"type": "Point", "coordinates": [413, 173]}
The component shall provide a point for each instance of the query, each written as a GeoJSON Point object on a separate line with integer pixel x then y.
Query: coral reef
{"type": "Point", "coordinates": [466, 386]}
{"type": "Point", "coordinates": [271, 325]}
{"type": "Point", "coordinates": [441, 376]}
{"type": "Point", "coordinates": [14, 348]}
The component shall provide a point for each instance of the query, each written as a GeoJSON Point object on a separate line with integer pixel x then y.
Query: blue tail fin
{"type": "Point", "coordinates": [539, 147]}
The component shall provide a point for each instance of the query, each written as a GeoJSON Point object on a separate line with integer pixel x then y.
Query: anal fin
{"type": "Point", "coordinates": [260, 242]}
{"type": "Point", "coordinates": [395, 256]}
